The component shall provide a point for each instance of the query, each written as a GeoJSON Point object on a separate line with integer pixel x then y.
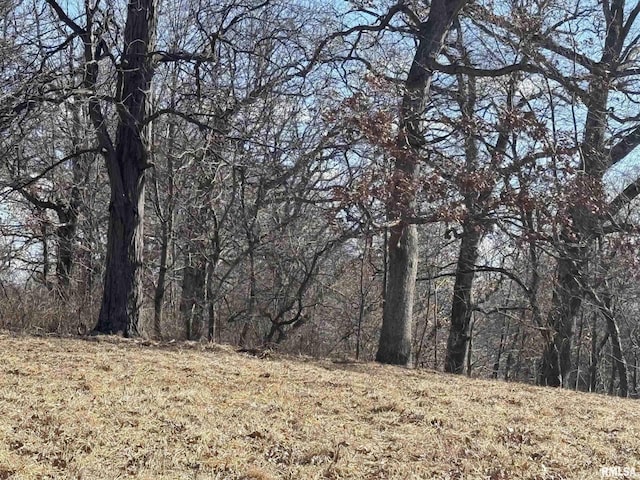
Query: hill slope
{"type": "Point", "coordinates": [115, 409]}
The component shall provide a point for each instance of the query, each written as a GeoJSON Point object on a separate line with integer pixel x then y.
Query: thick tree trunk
{"type": "Point", "coordinates": [121, 307]}
{"type": "Point", "coordinates": [461, 308]}
{"type": "Point", "coordinates": [395, 335]}
{"type": "Point", "coordinates": [122, 297]}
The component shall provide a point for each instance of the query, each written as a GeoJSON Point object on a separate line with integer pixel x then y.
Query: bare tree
{"type": "Point", "coordinates": [395, 336]}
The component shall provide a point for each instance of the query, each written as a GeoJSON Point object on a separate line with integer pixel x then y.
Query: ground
{"type": "Point", "coordinates": [111, 408]}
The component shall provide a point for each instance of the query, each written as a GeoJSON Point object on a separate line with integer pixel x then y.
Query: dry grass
{"type": "Point", "coordinates": [115, 409]}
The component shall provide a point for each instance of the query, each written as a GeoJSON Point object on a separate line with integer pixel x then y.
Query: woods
{"type": "Point", "coordinates": [448, 184]}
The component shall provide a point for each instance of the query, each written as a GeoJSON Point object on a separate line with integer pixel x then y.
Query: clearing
{"type": "Point", "coordinates": [112, 408]}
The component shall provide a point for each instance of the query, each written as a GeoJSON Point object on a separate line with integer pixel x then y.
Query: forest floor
{"type": "Point", "coordinates": [110, 408]}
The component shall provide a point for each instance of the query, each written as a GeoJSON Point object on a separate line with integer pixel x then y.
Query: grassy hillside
{"type": "Point", "coordinates": [111, 408]}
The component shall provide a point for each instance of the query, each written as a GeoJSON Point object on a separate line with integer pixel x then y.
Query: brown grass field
{"type": "Point", "coordinates": [111, 408]}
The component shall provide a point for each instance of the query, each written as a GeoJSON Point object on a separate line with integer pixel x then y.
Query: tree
{"type": "Point", "coordinates": [126, 160]}
{"type": "Point", "coordinates": [395, 336]}
{"type": "Point", "coordinates": [589, 214]}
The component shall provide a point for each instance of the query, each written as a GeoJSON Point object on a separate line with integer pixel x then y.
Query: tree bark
{"type": "Point", "coordinates": [461, 307]}
{"type": "Point", "coordinates": [566, 301]}
{"type": "Point", "coordinates": [161, 286]}
{"type": "Point", "coordinates": [166, 218]}
{"type": "Point", "coordinates": [395, 336]}
{"type": "Point", "coordinates": [596, 349]}
{"type": "Point", "coordinates": [69, 214]}
{"type": "Point", "coordinates": [577, 383]}
{"type": "Point", "coordinates": [619, 362]}
{"type": "Point", "coordinates": [193, 295]}
{"type": "Point", "coordinates": [66, 234]}
{"type": "Point", "coordinates": [593, 355]}
{"type": "Point", "coordinates": [634, 378]}
{"type": "Point", "coordinates": [504, 332]}
{"type": "Point", "coordinates": [121, 307]}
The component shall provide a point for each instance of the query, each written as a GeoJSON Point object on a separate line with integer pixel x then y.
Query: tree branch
{"type": "Point", "coordinates": [623, 198]}
{"type": "Point", "coordinates": [65, 18]}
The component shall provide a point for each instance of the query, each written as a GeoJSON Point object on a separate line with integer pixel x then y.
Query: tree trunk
{"type": "Point", "coordinates": [518, 364]}
{"type": "Point", "coordinates": [166, 218]}
{"type": "Point", "coordinates": [635, 374]}
{"type": "Point", "coordinates": [566, 301]}
{"type": "Point", "coordinates": [193, 294]}
{"type": "Point", "coordinates": [619, 362]}
{"type": "Point", "coordinates": [593, 356]}
{"type": "Point", "coordinates": [596, 349]}
{"type": "Point", "coordinates": [504, 332]}
{"type": "Point", "coordinates": [461, 308]}
{"type": "Point", "coordinates": [421, 341]}
{"type": "Point", "coordinates": [69, 214]}
{"type": "Point", "coordinates": [161, 285]}
{"type": "Point", "coordinates": [213, 329]}
{"type": "Point", "coordinates": [612, 376]}
{"type": "Point", "coordinates": [579, 353]}
{"type": "Point", "coordinates": [122, 297]}
{"type": "Point", "coordinates": [45, 253]}
{"type": "Point", "coordinates": [395, 335]}
{"type": "Point", "coordinates": [469, 355]}
{"type": "Point", "coordinates": [362, 298]}
{"type": "Point", "coordinates": [121, 307]}
{"type": "Point", "coordinates": [585, 224]}
{"type": "Point", "coordinates": [66, 234]}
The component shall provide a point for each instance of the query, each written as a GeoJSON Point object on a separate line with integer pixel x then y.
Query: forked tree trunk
{"type": "Point", "coordinates": [586, 223]}
{"type": "Point", "coordinates": [395, 335]}
{"type": "Point", "coordinates": [459, 340]}
{"type": "Point", "coordinates": [121, 307]}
